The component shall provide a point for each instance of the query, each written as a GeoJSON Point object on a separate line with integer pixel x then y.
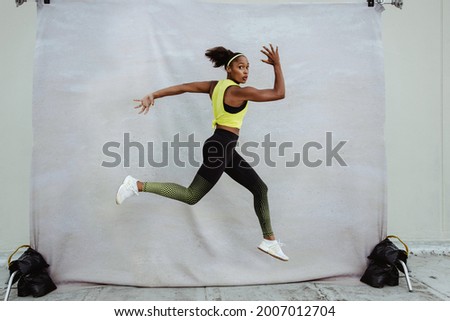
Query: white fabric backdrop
{"type": "Point", "coordinates": [94, 57]}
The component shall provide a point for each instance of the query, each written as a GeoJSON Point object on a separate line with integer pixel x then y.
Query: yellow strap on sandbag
{"type": "Point", "coordinates": [20, 247]}
{"type": "Point", "coordinates": [396, 237]}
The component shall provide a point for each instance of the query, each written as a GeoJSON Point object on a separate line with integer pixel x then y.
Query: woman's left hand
{"type": "Point", "coordinates": [273, 57]}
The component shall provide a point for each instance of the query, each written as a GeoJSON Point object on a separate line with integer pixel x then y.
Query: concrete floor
{"type": "Point", "coordinates": [430, 277]}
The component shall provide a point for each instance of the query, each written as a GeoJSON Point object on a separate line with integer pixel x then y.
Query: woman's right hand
{"type": "Point", "coordinates": [145, 103]}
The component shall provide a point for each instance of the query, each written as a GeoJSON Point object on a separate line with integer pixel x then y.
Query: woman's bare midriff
{"type": "Point", "coordinates": [234, 130]}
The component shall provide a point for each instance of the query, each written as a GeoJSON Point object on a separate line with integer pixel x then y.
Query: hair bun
{"type": "Point", "coordinates": [219, 56]}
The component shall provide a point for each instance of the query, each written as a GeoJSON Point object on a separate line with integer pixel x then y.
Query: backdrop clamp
{"type": "Point", "coordinates": [397, 3]}
{"type": "Point", "coordinates": [20, 2]}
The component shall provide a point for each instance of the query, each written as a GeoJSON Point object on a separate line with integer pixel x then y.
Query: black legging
{"type": "Point", "coordinates": [219, 155]}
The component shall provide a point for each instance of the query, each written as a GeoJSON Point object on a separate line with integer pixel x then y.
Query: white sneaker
{"type": "Point", "coordinates": [273, 248]}
{"type": "Point", "coordinates": [127, 189]}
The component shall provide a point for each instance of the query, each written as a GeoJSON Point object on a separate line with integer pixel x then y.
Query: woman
{"type": "Point", "coordinates": [229, 102]}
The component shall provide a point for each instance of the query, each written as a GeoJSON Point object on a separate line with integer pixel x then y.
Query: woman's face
{"type": "Point", "coordinates": [238, 70]}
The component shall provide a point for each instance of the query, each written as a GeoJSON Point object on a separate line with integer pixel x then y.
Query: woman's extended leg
{"type": "Point", "coordinates": [217, 151]}
{"type": "Point", "coordinates": [189, 195]}
{"type": "Point", "coordinates": [244, 174]}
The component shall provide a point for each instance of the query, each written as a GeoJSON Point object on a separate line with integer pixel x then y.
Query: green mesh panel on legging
{"type": "Point", "coordinates": [261, 205]}
{"type": "Point", "coordinates": [200, 187]}
{"type": "Point", "coordinates": [189, 195]}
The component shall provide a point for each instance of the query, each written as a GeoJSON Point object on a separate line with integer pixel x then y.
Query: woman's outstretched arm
{"type": "Point", "coordinates": [192, 87]}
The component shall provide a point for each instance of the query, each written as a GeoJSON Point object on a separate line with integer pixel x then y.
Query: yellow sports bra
{"type": "Point", "coordinates": [224, 114]}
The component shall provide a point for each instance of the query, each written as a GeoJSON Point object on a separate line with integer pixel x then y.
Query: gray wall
{"type": "Point", "coordinates": [417, 44]}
